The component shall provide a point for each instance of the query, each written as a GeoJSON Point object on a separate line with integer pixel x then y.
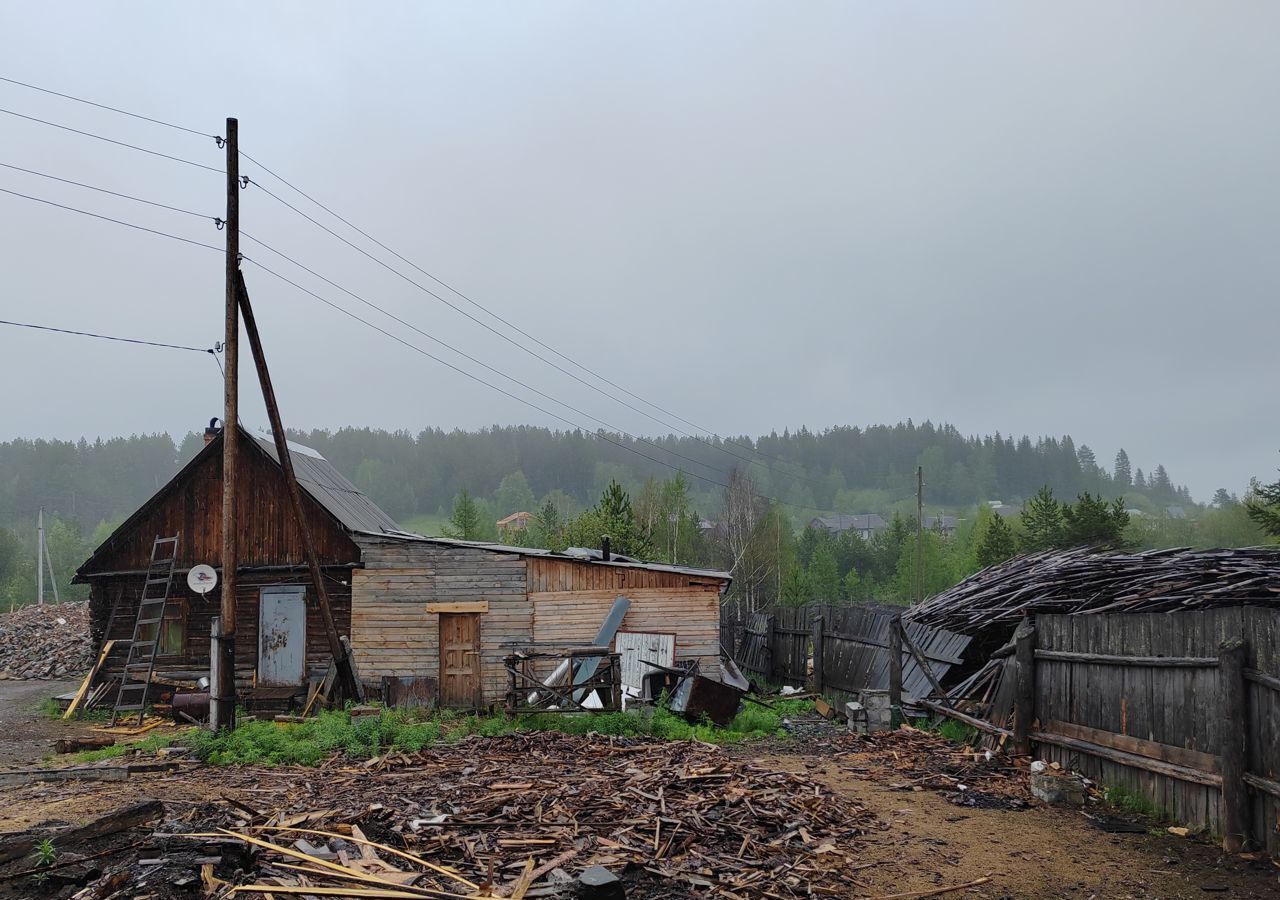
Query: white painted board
{"type": "Point", "coordinates": [637, 648]}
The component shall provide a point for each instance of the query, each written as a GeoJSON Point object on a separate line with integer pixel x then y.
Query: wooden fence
{"type": "Point", "coordinates": [1182, 709]}
{"type": "Point", "coordinates": [849, 646]}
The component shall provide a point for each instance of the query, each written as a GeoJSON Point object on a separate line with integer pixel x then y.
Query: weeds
{"type": "Point", "coordinates": [951, 730]}
{"type": "Point", "coordinates": [307, 743]}
{"type": "Point", "coordinates": [46, 855]}
{"type": "Point", "coordinates": [1126, 800]}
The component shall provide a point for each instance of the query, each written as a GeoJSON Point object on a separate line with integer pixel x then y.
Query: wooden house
{"type": "Point", "coordinates": [416, 607]}
{"type": "Point", "coordinates": [273, 583]}
{"type": "Point", "coordinates": [453, 610]}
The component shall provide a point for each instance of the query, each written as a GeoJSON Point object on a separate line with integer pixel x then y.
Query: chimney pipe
{"type": "Point", "coordinates": [604, 548]}
{"type": "Point", "coordinates": [211, 432]}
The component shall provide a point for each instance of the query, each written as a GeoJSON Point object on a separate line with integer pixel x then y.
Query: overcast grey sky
{"type": "Point", "coordinates": [1025, 217]}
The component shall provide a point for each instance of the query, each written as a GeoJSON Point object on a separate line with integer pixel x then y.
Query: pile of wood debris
{"type": "Point", "coordinates": [525, 815]}
{"type": "Point", "coordinates": [914, 760]}
{"type": "Point", "coordinates": [1085, 581]}
{"type": "Point", "coordinates": [50, 641]}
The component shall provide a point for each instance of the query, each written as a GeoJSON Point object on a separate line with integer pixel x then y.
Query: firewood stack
{"type": "Point", "coordinates": [50, 641]}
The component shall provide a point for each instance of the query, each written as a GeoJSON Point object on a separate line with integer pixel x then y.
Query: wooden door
{"type": "Point", "coordinates": [460, 660]}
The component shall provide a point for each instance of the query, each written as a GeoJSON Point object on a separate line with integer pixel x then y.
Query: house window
{"type": "Point", "coordinates": [173, 629]}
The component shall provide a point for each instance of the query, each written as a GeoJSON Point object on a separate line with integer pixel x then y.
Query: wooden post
{"type": "Point", "coordinates": [1232, 700]}
{"type": "Point", "coordinates": [895, 672]}
{"type": "Point", "coordinates": [1024, 702]}
{"type": "Point", "coordinates": [919, 533]}
{"type": "Point", "coordinates": [222, 705]}
{"type": "Point", "coordinates": [770, 646]}
{"type": "Point", "coordinates": [818, 634]}
{"type": "Point", "coordinates": [215, 662]}
{"type": "Point", "coordinates": [346, 674]}
{"type": "Point", "coordinates": [615, 679]}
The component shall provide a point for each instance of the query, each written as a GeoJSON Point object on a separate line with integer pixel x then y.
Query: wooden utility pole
{"type": "Point", "coordinates": [39, 557]}
{"type": "Point", "coordinates": [222, 707]}
{"type": "Point", "coordinates": [346, 675]}
{"type": "Point", "coordinates": [919, 533]}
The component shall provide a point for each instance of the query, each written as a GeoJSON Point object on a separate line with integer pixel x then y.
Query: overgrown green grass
{"type": "Point", "coordinates": [1125, 800]}
{"type": "Point", "coordinates": [307, 743]}
{"type": "Point", "coordinates": [956, 732]}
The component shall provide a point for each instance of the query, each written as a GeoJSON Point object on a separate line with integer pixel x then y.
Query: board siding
{"type": "Point", "coordinates": [393, 634]}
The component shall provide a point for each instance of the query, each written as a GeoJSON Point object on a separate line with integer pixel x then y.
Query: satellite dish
{"type": "Point", "coordinates": [202, 579]}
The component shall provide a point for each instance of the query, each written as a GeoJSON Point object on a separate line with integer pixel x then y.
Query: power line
{"type": "Point", "coordinates": [103, 190]}
{"type": "Point", "coordinates": [123, 112]}
{"type": "Point", "coordinates": [473, 359]}
{"type": "Point", "coordinates": [599, 434]}
{"type": "Point", "coordinates": [414, 347]}
{"type": "Point", "coordinates": [517, 329]}
{"type": "Point", "coordinates": [85, 212]}
{"type": "Point", "coordinates": [111, 140]}
{"type": "Point", "coordinates": [495, 331]}
{"type": "Point", "coordinates": [757, 452]}
{"type": "Point", "coordinates": [107, 337]}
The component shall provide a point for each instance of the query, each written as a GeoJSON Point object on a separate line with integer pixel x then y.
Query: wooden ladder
{"type": "Point", "coordinates": [140, 662]}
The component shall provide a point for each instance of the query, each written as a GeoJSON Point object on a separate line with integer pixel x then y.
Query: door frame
{"type": "Point", "coordinates": [291, 590]}
{"type": "Point", "coordinates": [477, 693]}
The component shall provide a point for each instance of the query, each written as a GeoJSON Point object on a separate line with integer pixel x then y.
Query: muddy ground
{"type": "Point", "coordinates": [25, 733]}
{"type": "Point", "coordinates": [924, 841]}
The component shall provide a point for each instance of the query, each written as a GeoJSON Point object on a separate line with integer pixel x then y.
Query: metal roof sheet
{"type": "Point", "coordinates": [576, 554]}
{"type": "Point", "coordinates": [328, 487]}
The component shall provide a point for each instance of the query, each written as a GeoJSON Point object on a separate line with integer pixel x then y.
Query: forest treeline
{"type": "Point", "coordinates": [88, 487]}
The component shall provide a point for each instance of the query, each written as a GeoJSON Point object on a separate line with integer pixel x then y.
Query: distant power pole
{"type": "Point", "coordinates": [919, 533]}
{"type": "Point", "coordinates": [39, 557]}
{"type": "Point", "coordinates": [223, 705]}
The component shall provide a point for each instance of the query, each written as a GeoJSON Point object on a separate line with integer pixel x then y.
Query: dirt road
{"type": "Point", "coordinates": [1038, 852]}
{"type": "Point", "coordinates": [25, 732]}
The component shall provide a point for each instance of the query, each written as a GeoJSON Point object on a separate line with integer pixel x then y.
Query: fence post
{"type": "Point", "coordinates": [1232, 699]}
{"type": "Point", "coordinates": [895, 672]}
{"type": "Point", "coordinates": [818, 633]}
{"type": "Point", "coordinates": [1024, 704]}
{"type": "Point", "coordinates": [770, 646]}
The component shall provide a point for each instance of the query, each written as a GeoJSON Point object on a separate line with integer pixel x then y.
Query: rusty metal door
{"type": "Point", "coordinates": [460, 660]}
{"type": "Point", "coordinates": [282, 635]}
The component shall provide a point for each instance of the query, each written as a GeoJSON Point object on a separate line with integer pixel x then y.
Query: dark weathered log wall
{"type": "Point", "coordinates": [192, 507]}
{"type": "Point", "coordinates": [194, 660]}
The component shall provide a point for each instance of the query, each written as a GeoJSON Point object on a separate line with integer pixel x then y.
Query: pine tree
{"type": "Point", "coordinates": [1041, 521]}
{"type": "Point", "coordinates": [464, 523]}
{"type": "Point", "coordinates": [1088, 462]}
{"type": "Point", "coordinates": [546, 526]}
{"type": "Point", "coordinates": [998, 542]}
{"type": "Point", "coordinates": [824, 575]}
{"type": "Point", "coordinates": [1263, 506]}
{"type": "Point", "coordinates": [1095, 522]}
{"type": "Point", "coordinates": [1123, 474]}
{"type": "Point", "coordinates": [1140, 480]}
{"type": "Point", "coordinates": [1222, 498]}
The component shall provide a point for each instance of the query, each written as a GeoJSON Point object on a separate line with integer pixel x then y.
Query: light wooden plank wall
{"type": "Point", "coordinates": [692, 613]}
{"type": "Point", "coordinates": [393, 634]}
{"type": "Point", "coordinates": [546, 575]}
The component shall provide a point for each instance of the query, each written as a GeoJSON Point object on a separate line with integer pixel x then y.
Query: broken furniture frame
{"type": "Point", "coordinates": [578, 675]}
